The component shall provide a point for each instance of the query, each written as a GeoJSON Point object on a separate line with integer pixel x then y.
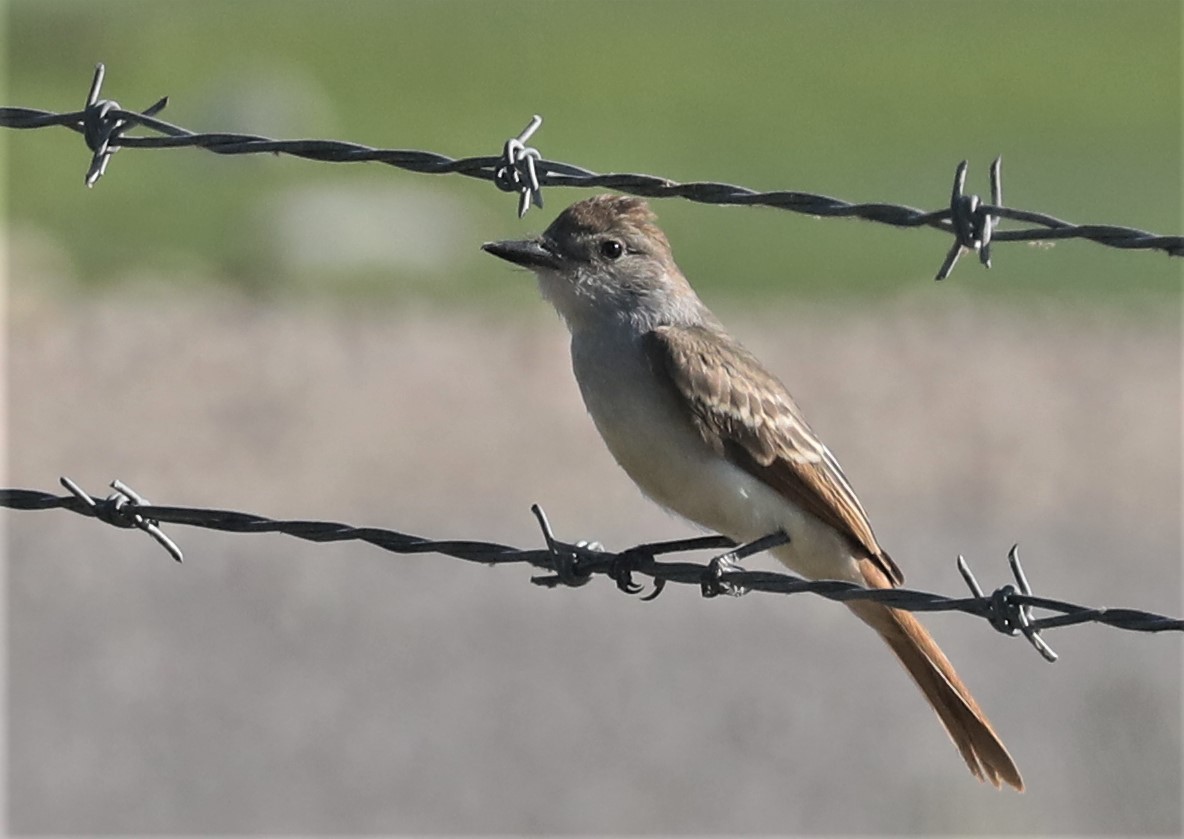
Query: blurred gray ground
{"type": "Point", "coordinates": [273, 686]}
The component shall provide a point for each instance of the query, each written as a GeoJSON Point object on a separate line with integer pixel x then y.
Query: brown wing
{"type": "Point", "coordinates": [745, 413]}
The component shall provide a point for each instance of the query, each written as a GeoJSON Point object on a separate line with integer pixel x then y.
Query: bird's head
{"type": "Point", "coordinates": [604, 258]}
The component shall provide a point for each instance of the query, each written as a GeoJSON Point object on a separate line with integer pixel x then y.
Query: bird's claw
{"type": "Point", "coordinates": [621, 572]}
{"type": "Point", "coordinates": [713, 584]}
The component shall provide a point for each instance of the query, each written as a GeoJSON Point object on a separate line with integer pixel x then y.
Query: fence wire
{"type": "Point", "coordinates": [1009, 609]}
{"type": "Point", "coordinates": [522, 169]}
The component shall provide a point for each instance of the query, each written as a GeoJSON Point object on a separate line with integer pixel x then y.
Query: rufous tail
{"type": "Point", "coordinates": [964, 721]}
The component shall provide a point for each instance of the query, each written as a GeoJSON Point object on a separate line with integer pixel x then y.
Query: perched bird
{"type": "Point", "coordinates": [706, 431]}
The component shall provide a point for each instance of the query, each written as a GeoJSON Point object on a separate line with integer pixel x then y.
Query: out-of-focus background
{"type": "Point", "coordinates": [308, 340]}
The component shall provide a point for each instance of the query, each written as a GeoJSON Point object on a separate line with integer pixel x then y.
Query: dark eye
{"type": "Point", "coordinates": [611, 249]}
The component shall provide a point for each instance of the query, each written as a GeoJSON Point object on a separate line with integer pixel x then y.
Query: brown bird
{"type": "Point", "coordinates": [705, 430]}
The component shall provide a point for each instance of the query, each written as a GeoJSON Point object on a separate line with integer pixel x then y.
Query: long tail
{"type": "Point", "coordinates": [964, 721]}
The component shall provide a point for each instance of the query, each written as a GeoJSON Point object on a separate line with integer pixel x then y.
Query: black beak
{"type": "Point", "coordinates": [529, 253]}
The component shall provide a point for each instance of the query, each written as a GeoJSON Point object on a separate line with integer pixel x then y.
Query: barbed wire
{"type": "Point", "coordinates": [522, 169]}
{"type": "Point", "coordinates": [1008, 609]}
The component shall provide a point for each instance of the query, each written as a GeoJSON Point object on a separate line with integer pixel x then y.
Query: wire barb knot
{"type": "Point", "coordinates": [1003, 612]}
{"type": "Point", "coordinates": [119, 509]}
{"type": "Point", "coordinates": [565, 558]}
{"type": "Point", "coordinates": [99, 127]}
{"type": "Point", "coordinates": [1006, 608]}
{"type": "Point", "coordinates": [972, 222]}
{"type": "Point", "coordinates": [102, 126]}
{"type": "Point", "coordinates": [517, 172]}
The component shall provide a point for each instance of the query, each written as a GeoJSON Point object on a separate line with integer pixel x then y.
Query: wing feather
{"type": "Point", "coordinates": [745, 413]}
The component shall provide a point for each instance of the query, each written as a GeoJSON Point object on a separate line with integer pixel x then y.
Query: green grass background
{"type": "Point", "coordinates": [866, 101]}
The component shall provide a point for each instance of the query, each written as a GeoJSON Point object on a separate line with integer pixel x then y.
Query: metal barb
{"type": "Point", "coordinates": [517, 171]}
{"type": "Point", "coordinates": [565, 558]}
{"type": "Point", "coordinates": [968, 577]}
{"type": "Point", "coordinates": [1024, 612]}
{"type": "Point", "coordinates": [531, 127]}
{"type": "Point", "coordinates": [1004, 613]}
{"type": "Point", "coordinates": [77, 492]}
{"type": "Point", "coordinates": [972, 226]}
{"type": "Point", "coordinates": [96, 84]}
{"type": "Point", "coordinates": [100, 128]}
{"type": "Point", "coordinates": [989, 221]}
{"type": "Point", "coordinates": [951, 260]}
{"type": "Point", "coordinates": [118, 509]}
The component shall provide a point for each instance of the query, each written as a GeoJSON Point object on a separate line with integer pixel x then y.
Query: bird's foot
{"type": "Point", "coordinates": [713, 583]}
{"type": "Point", "coordinates": [621, 572]}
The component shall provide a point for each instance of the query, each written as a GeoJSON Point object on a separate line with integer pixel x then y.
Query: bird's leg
{"type": "Point", "coordinates": [625, 563]}
{"type": "Point", "coordinates": [713, 583]}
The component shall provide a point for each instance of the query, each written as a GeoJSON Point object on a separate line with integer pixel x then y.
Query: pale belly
{"type": "Point", "coordinates": [658, 447]}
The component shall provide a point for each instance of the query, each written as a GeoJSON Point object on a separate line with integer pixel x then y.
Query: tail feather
{"type": "Point", "coordinates": [964, 721]}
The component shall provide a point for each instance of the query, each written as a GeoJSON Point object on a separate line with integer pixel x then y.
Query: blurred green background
{"type": "Point", "coordinates": [863, 101]}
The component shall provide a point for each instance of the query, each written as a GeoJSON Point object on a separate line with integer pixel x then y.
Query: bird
{"type": "Point", "coordinates": [707, 431]}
